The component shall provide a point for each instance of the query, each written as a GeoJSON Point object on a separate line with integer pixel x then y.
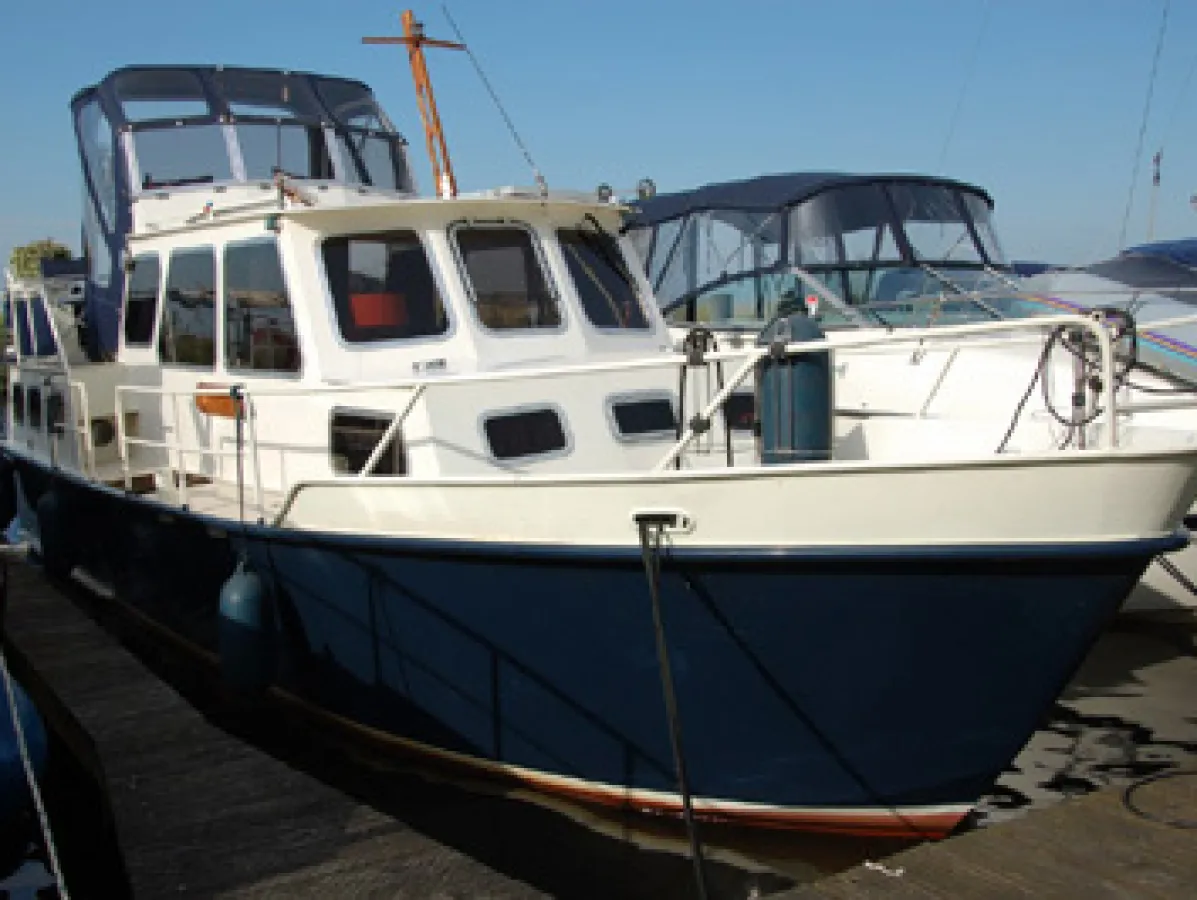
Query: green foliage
{"type": "Point", "coordinates": [25, 261]}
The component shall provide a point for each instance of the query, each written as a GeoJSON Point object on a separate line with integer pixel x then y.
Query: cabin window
{"type": "Point", "coordinates": [43, 334]}
{"type": "Point", "coordinates": [55, 413]}
{"type": "Point", "coordinates": [533, 432]}
{"type": "Point", "coordinates": [604, 284]}
{"type": "Point", "coordinates": [18, 404]}
{"type": "Point", "coordinates": [189, 318]}
{"type": "Point", "coordinates": [353, 435]}
{"type": "Point", "coordinates": [259, 329]}
{"type": "Point", "coordinates": [739, 412]}
{"type": "Point", "coordinates": [24, 335]}
{"type": "Point", "coordinates": [643, 417]}
{"type": "Point", "coordinates": [506, 278]}
{"type": "Point", "coordinates": [34, 397]}
{"type": "Point", "coordinates": [141, 300]}
{"type": "Point", "coordinates": [382, 287]}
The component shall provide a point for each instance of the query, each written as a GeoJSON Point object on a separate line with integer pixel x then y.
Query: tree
{"type": "Point", "coordinates": [26, 261]}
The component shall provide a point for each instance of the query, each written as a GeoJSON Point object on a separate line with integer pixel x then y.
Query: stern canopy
{"type": "Point", "coordinates": [154, 128]}
{"type": "Point", "coordinates": [726, 251]}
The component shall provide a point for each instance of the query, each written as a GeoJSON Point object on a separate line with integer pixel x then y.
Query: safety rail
{"type": "Point", "coordinates": [748, 357]}
{"type": "Point", "coordinates": [41, 367]}
{"type": "Point", "coordinates": [836, 341]}
{"type": "Point", "coordinates": [178, 452]}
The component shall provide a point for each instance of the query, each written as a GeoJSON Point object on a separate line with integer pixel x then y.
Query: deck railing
{"type": "Point", "coordinates": [956, 337]}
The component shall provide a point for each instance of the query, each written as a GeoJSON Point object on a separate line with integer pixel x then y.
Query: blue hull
{"type": "Point", "coordinates": [851, 691]}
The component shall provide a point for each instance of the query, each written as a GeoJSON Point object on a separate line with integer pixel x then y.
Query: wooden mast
{"type": "Point", "coordinates": [438, 151]}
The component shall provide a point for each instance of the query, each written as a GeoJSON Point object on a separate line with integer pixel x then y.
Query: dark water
{"type": "Point", "coordinates": [1128, 713]}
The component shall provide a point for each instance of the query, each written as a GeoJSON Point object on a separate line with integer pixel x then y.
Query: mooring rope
{"type": "Point", "coordinates": [30, 776]}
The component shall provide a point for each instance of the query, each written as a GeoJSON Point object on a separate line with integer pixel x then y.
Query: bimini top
{"type": "Point", "coordinates": [766, 193]}
{"type": "Point", "coordinates": [732, 250]}
{"type": "Point", "coordinates": [1157, 267]}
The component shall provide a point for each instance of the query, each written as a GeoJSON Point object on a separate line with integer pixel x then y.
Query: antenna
{"type": "Point", "coordinates": [438, 152]}
{"type": "Point", "coordinates": [515, 135]}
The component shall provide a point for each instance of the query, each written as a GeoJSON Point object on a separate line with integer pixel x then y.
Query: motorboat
{"type": "Point", "coordinates": [865, 252]}
{"type": "Point", "coordinates": [432, 469]}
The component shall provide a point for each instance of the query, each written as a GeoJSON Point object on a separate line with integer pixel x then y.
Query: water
{"type": "Point", "coordinates": [1127, 714]}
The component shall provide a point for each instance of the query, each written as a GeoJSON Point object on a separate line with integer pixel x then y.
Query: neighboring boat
{"type": "Point", "coordinates": [419, 465]}
{"type": "Point", "coordinates": [891, 251]}
{"type": "Point", "coordinates": [18, 826]}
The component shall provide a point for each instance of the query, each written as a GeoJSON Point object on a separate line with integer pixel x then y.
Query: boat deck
{"type": "Point", "coordinates": [215, 498]}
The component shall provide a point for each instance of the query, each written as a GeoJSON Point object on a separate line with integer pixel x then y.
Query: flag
{"type": "Point", "coordinates": [1155, 161]}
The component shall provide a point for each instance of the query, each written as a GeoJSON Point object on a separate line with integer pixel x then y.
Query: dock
{"type": "Point", "coordinates": [191, 809]}
{"type": "Point", "coordinates": [1095, 846]}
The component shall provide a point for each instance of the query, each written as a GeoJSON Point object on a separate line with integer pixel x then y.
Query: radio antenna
{"type": "Point", "coordinates": [540, 182]}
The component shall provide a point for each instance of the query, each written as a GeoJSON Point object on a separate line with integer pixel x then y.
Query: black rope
{"type": "Point", "coordinates": [1129, 803]}
{"type": "Point", "coordinates": [1172, 569]}
{"type": "Point", "coordinates": [1039, 366]}
{"type": "Point", "coordinates": [651, 527]}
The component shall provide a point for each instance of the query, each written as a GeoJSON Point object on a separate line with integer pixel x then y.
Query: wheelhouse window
{"type": "Point", "coordinates": [18, 404]}
{"type": "Point", "coordinates": [354, 435]}
{"type": "Point", "coordinates": [43, 334]}
{"type": "Point", "coordinates": [24, 335]}
{"type": "Point", "coordinates": [382, 287]}
{"type": "Point", "coordinates": [605, 286]}
{"type": "Point", "coordinates": [186, 336]}
{"type": "Point", "coordinates": [517, 435]}
{"type": "Point", "coordinates": [259, 329]}
{"type": "Point", "coordinates": [34, 398]}
{"type": "Point", "coordinates": [506, 279]}
{"type": "Point", "coordinates": [141, 300]}
{"type": "Point", "coordinates": [644, 417]}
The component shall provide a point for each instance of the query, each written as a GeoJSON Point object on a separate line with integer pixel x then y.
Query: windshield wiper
{"type": "Point", "coordinates": [601, 241]}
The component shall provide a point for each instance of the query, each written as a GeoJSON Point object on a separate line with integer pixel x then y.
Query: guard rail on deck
{"type": "Point", "coordinates": [973, 334]}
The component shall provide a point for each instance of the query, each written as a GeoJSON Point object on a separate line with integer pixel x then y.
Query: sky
{"type": "Point", "coordinates": [1038, 101]}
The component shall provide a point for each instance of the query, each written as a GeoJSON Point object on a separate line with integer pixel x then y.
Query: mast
{"type": "Point", "coordinates": [434, 135]}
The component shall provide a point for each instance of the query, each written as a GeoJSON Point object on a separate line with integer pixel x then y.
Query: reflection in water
{"type": "Point", "coordinates": [1127, 714]}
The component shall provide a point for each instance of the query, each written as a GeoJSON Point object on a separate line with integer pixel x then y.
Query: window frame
{"type": "Point", "coordinates": [223, 359]}
{"type": "Point", "coordinates": [546, 271]}
{"type": "Point", "coordinates": [217, 308]}
{"type": "Point", "coordinates": [640, 396]}
{"type": "Point", "coordinates": [523, 409]}
{"type": "Point", "coordinates": [158, 295]}
{"type": "Point", "coordinates": [398, 442]}
{"type": "Point", "coordinates": [438, 281]}
{"type": "Point", "coordinates": [649, 326]}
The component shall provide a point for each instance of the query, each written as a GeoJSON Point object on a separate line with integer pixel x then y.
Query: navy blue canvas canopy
{"type": "Point", "coordinates": [771, 192]}
{"type": "Point", "coordinates": [149, 128]}
{"type": "Point", "coordinates": [1156, 267]}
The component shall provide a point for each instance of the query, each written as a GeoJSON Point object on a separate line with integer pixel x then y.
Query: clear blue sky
{"type": "Point", "coordinates": [685, 91]}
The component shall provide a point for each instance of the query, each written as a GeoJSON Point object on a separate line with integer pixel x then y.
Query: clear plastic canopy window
{"type": "Point", "coordinates": [866, 242]}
